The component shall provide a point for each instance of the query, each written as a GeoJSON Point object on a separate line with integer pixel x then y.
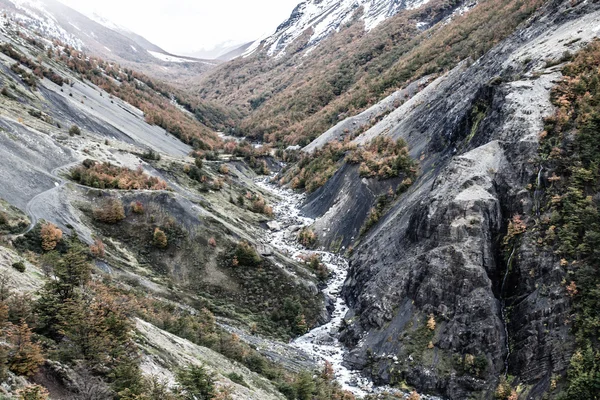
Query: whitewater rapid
{"type": "Point", "coordinates": [322, 343]}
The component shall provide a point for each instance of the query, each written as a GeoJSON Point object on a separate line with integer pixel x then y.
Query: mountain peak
{"type": "Point", "coordinates": [327, 16]}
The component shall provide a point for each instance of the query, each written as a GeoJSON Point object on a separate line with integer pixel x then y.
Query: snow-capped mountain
{"type": "Point", "coordinates": [327, 16]}
{"type": "Point", "coordinates": [93, 34]}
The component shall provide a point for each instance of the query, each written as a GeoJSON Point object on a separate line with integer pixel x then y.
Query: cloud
{"type": "Point", "coordinates": [183, 26]}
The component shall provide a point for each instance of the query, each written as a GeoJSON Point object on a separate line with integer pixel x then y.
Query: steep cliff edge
{"type": "Point", "coordinates": [439, 299]}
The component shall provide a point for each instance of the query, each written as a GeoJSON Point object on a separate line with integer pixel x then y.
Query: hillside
{"type": "Point", "coordinates": [126, 224]}
{"type": "Point", "coordinates": [100, 37]}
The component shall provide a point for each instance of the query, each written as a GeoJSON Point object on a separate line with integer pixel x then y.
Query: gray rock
{"type": "Point", "coordinates": [274, 226]}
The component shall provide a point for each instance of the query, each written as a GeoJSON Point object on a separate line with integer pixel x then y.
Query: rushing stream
{"type": "Point", "coordinates": [322, 343]}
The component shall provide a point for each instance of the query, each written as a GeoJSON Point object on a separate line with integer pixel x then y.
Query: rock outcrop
{"type": "Point", "coordinates": [437, 298]}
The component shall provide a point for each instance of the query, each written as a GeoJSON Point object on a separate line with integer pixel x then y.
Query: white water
{"type": "Point", "coordinates": [503, 313]}
{"type": "Point", "coordinates": [322, 343]}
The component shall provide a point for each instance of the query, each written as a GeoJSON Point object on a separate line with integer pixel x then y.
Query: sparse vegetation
{"type": "Point", "coordinates": [110, 211]}
{"type": "Point", "coordinates": [570, 224]}
{"type": "Point", "coordinates": [108, 176]}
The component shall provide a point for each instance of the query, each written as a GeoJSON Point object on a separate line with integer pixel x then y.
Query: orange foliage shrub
{"type": "Point", "coordinates": [97, 249]}
{"type": "Point", "coordinates": [50, 235]}
{"type": "Point", "coordinates": [26, 356]}
{"type": "Point", "coordinates": [108, 176]}
{"type": "Point", "coordinates": [159, 239]}
{"type": "Point", "coordinates": [137, 207]}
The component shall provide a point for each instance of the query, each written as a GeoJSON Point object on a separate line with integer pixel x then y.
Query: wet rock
{"type": "Point", "coordinates": [274, 225]}
{"type": "Point", "coordinates": [264, 250]}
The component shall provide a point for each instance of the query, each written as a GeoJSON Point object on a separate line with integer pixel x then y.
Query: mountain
{"type": "Point", "coordinates": [100, 37]}
{"type": "Point", "coordinates": [322, 17]}
{"type": "Point", "coordinates": [236, 52]}
{"type": "Point", "coordinates": [450, 153]}
{"type": "Point", "coordinates": [224, 51]}
{"type": "Point", "coordinates": [410, 211]}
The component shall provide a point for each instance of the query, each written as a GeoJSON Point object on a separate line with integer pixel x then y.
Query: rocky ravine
{"type": "Point", "coordinates": [438, 255]}
{"type": "Point", "coordinates": [321, 343]}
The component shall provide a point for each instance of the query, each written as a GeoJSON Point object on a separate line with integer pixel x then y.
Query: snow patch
{"type": "Point", "coordinates": [327, 16]}
{"type": "Point", "coordinates": [168, 58]}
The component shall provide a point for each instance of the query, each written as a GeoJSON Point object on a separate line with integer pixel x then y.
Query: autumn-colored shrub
{"type": "Point", "coordinates": [110, 211]}
{"type": "Point", "coordinates": [97, 249]}
{"type": "Point", "coordinates": [159, 239]}
{"type": "Point", "coordinates": [25, 357]}
{"type": "Point", "coordinates": [383, 158]}
{"type": "Point", "coordinates": [259, 205]}
{"type": "Point", "coordinates": [50, 235]}
{"type": "Point", "coordinates": [307, 237]}
{"type": "Point", "coordinates": [212, 242]}
{"type": "Point", "coordinates": [224, 169]}
{"type": "Point", "coordinates": [245, 255]}
{"type": "Point", "coordinates": [137, 207]}
{"type": "Point", "coordinates": [108, 176]}
{"type": "Point", "coordinates": [431, 322]}
{"type": "Point", "coordinates": [33, 392]}
{"type": "Point", "coordinates": [414, 396]}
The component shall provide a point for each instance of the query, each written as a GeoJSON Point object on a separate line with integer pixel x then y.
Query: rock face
{"type": "Point", "coordinates": [437, 299]}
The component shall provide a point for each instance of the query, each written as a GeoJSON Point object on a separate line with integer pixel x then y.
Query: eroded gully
{"type": "Point", "coordinates": [321, 343]}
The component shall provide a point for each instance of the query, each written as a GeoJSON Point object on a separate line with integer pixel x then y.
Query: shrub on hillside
{"type": "Point", "coordinates": [74, 130]}
{"type": "Point", "coordinates": [108, 176]}
{"type": "Point", "coordinates": [25, 357]}
{"type": "Point", "coordinates": [97, 249]}
{"type": "Point", "coordinates": [196, 383]}
{"type": "Point", "coordinates": [159, 239]}
{"type": "Point", "coordinates": [110, 211]}
{"type": "Point", "coordinates": [246, 255]}
{"type": "Point", "coordinates": [19, 266]}
{"type": "Point", "coordinates": [137, 207]}
{"type": "Point", "coordinates": [307, 237]}
{"type": "Point", "coordinates": [50, 235]}
{"type": "Point", "coordinates": [33, 392]}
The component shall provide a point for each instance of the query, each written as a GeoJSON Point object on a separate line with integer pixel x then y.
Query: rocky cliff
{"type": "Point", "coordinates": [441, 297]}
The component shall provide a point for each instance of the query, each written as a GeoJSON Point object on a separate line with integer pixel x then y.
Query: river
{"type": "Point", "coordinates": [322, 343]}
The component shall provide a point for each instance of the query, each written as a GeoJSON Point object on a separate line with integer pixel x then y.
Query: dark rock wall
{"type": "Point", "coordinates": [439, 255]}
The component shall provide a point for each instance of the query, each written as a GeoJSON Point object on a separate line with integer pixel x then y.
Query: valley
{"type": "Point", "coordinates": [380, 200]}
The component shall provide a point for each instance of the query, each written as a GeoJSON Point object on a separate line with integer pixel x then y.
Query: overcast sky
{"type": "Point", "coordinates": [183, 26]}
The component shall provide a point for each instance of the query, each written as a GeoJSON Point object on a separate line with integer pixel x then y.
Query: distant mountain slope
{"type": "Point", "coordinates": [98, 37]}
{"type": "Point", "coordinates": [325, 17]}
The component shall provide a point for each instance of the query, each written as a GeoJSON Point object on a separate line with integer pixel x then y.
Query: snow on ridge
{"type": "Point", "coordinates": [327, 16]}
{"type": "Point", "coordinates": [168, 58]}
{"type": "Point", "coordinates": [33, 15]}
